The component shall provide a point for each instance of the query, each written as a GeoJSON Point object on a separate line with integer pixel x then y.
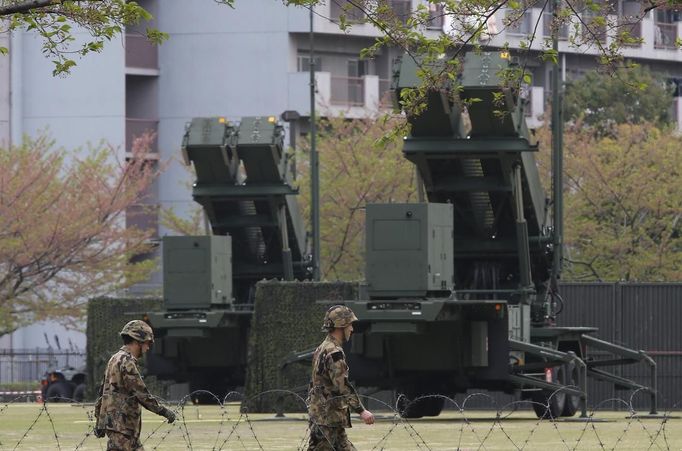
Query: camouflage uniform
{"type": "Point", "coordinates": [330, 396]}
{"type": "Point", "coordinates": [117, 410]}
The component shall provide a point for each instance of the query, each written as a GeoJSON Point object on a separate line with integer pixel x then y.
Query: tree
{"type": "Point", "coordinates": [63, 234]}
{"type": "Point", "coordinates": [54, 21]}
{"type": "Point", "coordinates": [361, 162]}
{"type": "Point", "coordinates": [621, 167]}
{"type": "Point", "coordinates": [623, 203]}
{"type": "Point", "coordinates": [192, 225]}
{"type": "Point", "coordinates": [630, 95]}
{"type": "Point", "coordinates": [193, 222]}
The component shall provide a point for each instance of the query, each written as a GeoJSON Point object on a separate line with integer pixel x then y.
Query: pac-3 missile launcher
{"type": "Point", "coordinates": [459, 291]}
{"type": "Point", "coordinates": [244, 184]}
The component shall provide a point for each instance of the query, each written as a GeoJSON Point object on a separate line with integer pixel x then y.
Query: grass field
{"type": "Point", "coordinates": [63, 426]}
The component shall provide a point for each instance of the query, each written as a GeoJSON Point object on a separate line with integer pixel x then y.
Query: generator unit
{"type": "Point", "coordinates": [244, 184]}
{"type": "Point", "coordinates": [408, 249]}
{"type": "Point", "coordinates": [197, 271]}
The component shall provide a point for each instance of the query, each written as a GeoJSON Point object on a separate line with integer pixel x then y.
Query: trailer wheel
{"type": "Point", "coordinates": [549, 404]}
{"type": "Point", "coordinates": [572, 403]}
{"type": "Point", "coordinates": [419, 406]}
{"type": "Point", "coordinates": [60, 391]}
{"type": "Point", "coordinates": [434, 406]}
{"type": "Point", "coordinates": [79, 393]}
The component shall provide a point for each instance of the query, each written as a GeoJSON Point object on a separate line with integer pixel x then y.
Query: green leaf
{"type": "Point", "coordinates": [155, 36]}
{"type": "Point", "coordinates": [550, 55]}
{"type": "Point", "coordinates": [63, 68]}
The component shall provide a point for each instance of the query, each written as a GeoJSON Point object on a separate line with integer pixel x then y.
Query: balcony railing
{"type": "Point", "coordinates": [137, 127]}
{"type": "Point", "coordinates": [547, 25]}
{"type": "Point", "coordinates": [347, 91]}
{"type": "Point", "coordinates": [354, 96]}
{"type": "Point", "coordinates": [665, 35]}
{"type": "Point", "coordinates": [522, 25]}
{"type": "Point", "coordinates": [140, 53]}
{"type": "Point", "coordinates": [344, 8]}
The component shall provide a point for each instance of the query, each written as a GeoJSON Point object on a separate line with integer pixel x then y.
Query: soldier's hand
{"type": "Point", "coordinates": [99, 433]}
{"type": "Point", "coordinates": [170, 416]}
{"type": "Point", "coordinates": [367, 417]}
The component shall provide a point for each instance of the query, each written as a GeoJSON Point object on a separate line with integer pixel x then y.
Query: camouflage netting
{"type": "Point", "coordinates": [288, 319]}
{"type": "Point", "coordinates": [106, 317]}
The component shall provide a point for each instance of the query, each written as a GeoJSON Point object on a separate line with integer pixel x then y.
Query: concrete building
{"type": "Point", "coordinates": [251, 60]}
{"type": "Point", "coordinates": [659, 31]}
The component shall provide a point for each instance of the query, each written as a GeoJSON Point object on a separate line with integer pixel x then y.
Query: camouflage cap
{"type": "Point", "coordinates": [138, 330]}
{"type": "Point", "coordinates": [338, 316]}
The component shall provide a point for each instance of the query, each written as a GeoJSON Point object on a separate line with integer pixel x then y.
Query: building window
{"type": "Point", "coordinates": [355, 11]}
{"type": "Point", "coordinates": [401, 8]}
{"type": "Point", "coordinates": [665, 28]}
{"type": "Point", "coordinates": [303, 63]}
{"type": "Point", "coordinates": [630, 21]}
{"type": "Point", "coordinates": [357, 68]}
{"type": "Point", "coordinates": [519, 24]}
{"type": "Point", "coordinates": [436, 16]}
{"type": "Point", "coordinates": [548, 23]}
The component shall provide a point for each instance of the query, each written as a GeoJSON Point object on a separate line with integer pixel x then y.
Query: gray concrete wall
{"type": "Point", "coordinates": [86, 106]}
{"type": "Point", "coordinates": [5, 92]}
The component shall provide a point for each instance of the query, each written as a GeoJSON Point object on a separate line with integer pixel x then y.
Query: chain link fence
{"type": "Point", "coordinates": [30, 365]}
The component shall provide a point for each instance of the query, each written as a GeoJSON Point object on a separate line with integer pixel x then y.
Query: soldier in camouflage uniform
{"type": "Point", "coordinates": [331, 397]}
{"type": "Point", "coordinates": [117, 410]}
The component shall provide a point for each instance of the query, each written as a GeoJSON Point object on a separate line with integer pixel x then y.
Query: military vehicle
{"type": "Point", "coordinates": [461, 290]}
{"type": "Point", "coordinates": [244, 184]}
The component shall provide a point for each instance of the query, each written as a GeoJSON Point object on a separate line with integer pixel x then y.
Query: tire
{"type": "Point", "coordinates": [433, 407]}
{"type": "Point", "coordinates": [572, 403]}
{"type": "Point", "coordinates": [408, 408]}
{"type": "Point", "coordinates": [420, 406]}
{"type": "Point", "coordinates": [549, 404]}
{"type": "Point", "coordinates": [79, 393]}
{"type": "Point", "coordinates": [60, 391]}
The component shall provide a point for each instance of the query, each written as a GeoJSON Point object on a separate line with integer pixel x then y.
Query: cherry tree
{"type": "Point", "coordinates": [64, 235]}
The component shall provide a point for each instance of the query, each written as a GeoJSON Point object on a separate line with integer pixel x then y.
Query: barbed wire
{"type": "Point", "coordinates": [242, 429]}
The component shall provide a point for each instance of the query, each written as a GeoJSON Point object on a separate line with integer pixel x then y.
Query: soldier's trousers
{"type": "Point", "coordinates": [325, 438]}
{"type": "Point", "coordinates": [122, 442]}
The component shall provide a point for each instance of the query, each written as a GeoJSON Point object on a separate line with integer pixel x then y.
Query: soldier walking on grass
{"type": "Point", "coordinates": [330, 396]}
{"type": "Point", "coordinates": [117, 411]}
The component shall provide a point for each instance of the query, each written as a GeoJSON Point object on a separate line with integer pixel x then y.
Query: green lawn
{"type": "Point", "coordinates": [209, 427]}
